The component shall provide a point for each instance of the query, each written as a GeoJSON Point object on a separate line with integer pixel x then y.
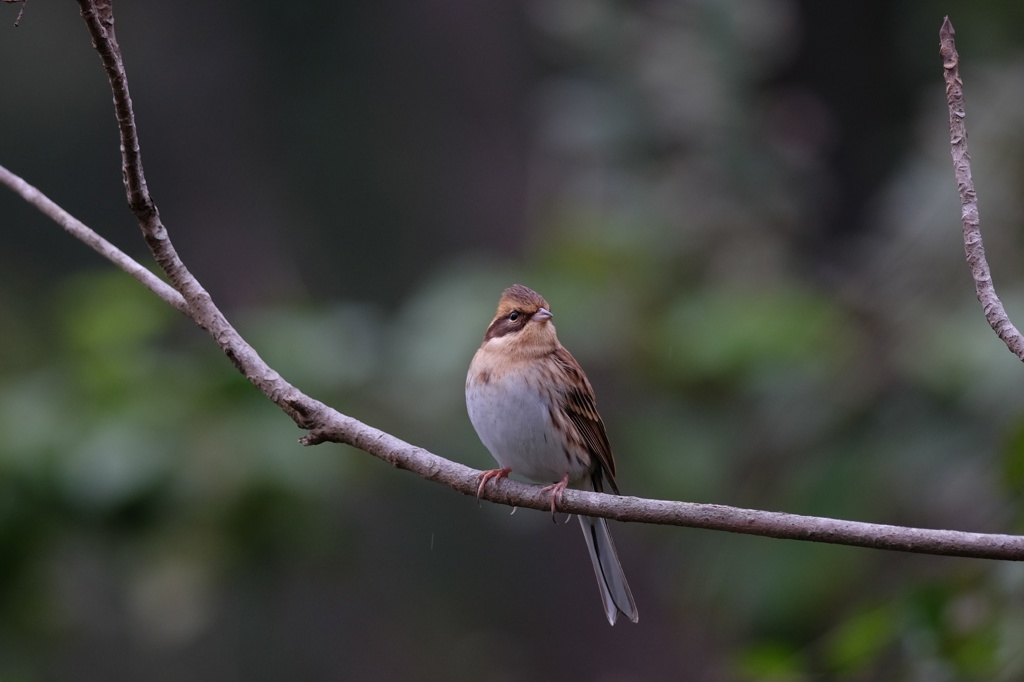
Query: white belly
{"type": "Point", "coordinates": [514, 423]}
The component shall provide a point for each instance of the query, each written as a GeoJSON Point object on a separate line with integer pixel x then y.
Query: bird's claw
{"type": "Point", "coordinates": [485, 476]}
{"type": "Point", "coordinates": [557, 491]}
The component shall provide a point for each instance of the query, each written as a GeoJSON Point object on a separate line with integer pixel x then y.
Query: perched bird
{"type": "Point", "coordinates": [534, 409]}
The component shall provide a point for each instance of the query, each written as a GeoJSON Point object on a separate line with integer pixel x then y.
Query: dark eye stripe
{"type": "Point", "coordinates": [504, 325]}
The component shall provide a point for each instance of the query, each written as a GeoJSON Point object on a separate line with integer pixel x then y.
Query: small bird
{"type": "Point", "coordinates": [534, 409]}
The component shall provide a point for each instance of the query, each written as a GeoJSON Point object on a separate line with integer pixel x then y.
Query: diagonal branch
{"type": "Point", "coordinates": [21, 12]}
{"type": "Point", "coordinates": [325, 424]}
{"type": "Point", "coordinates": [692, 515]}
{"type": "Point", "coordinates": [973, 246]}
{"type": "Point", "coordinates": [77, 229]}
{"type": "Point", "coordinates": [99, 18]}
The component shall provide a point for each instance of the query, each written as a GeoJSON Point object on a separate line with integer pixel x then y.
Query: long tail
{"type": "Point", "coordinates": [615, 594]}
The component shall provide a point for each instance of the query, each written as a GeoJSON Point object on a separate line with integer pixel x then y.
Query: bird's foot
{"type": "Point", "coordinates": [557, 490]}
{"type": "Point", "coordinates": [492, 474]}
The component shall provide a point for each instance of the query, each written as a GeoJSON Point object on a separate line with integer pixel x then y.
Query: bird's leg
{"type": "Point", "coordinates": [484, 476]}
{"type": "Point", "coordinates": [557, 490]}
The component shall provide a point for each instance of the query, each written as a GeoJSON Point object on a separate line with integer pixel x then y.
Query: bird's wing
{"type": "Point", "coordinates": [580, 406]}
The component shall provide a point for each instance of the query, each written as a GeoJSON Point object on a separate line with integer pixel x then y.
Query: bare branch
{"type": "Point", "coordinates": [21, 12]}
{"type": "Point", "coordinates": [99, 18]}
{"type": "Point", "coordinates": [77, 229]}
{"type": "Point", "coordinates": [325, 424]}
{"type": "Point", "coordinates": [973, 246]}
{"type": "Point", "coordinates": [634, 509]}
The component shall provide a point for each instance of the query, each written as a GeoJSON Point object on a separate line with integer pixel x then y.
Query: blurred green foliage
{"type": "Point", "coordinates": [757, 264]}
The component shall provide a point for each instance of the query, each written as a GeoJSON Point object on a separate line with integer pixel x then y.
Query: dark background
{"type": "Point", "coordinates": [745, 219]}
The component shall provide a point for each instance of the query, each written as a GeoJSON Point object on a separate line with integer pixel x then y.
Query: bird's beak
{"type": "Point", "coordinates": [542, 314]}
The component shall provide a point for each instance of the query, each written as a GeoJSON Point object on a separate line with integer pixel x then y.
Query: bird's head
{"type": "Point", "coordinates": [522, 324]}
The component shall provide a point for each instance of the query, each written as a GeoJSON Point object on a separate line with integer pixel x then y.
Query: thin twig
{"type": "Point", "coordinates": [325, 424]}
{"type": "Point", "coordinates": [21, 11]}
{"type": "Point", "coordinates": [80, 231]}
{"type": "Point", "coordinates": [974, 248]}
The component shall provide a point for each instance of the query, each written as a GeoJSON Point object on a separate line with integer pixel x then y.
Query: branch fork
{"type": "Point", "coordinates": [324, 424]}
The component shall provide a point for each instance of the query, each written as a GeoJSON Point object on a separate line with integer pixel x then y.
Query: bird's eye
{"type": "Point", "coordinates": [513, 316]}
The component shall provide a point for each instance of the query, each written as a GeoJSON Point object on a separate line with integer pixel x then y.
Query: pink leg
{"type": "Point", "coordinates": [556, 490]}
{"type": "Point", "coordinates": [495, 474]}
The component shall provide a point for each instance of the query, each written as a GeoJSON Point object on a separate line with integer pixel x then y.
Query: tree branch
{"type": "Point", "coordinates": [21, 11]}
{"type": "Point", "coordinates": [688, 514]}
{"type": "Point", "coordinates": [325, 424]}
{"type": "Point", "coordinates": [974, 248]}
{"type": "Point", "coordinates": [77, 229]}
{"type": "Point", "coordinates": [99, 18]}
